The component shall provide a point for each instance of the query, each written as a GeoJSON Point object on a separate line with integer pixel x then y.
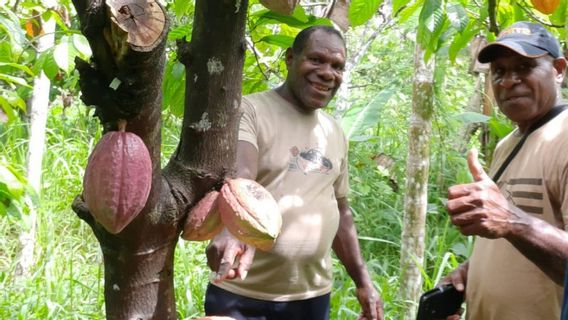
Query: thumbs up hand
{"type": "Point", "coordinates": [479, 208]}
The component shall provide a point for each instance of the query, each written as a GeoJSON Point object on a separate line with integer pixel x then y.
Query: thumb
{"type": "Point", "coordinates": [475, 167]}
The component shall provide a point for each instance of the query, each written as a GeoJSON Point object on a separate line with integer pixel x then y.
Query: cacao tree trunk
{"type": "Point", "coordinates": [123, 81]}
{"type": "Point", "coordinates": [416, 197]}
{"type": "Point", "coordinates": [38, 109]}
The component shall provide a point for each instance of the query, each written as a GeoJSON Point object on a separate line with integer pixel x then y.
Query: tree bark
{"type": "Point", "coordinates": [123, 81]}
{"type": "Point", "coordinates": [416, 197]}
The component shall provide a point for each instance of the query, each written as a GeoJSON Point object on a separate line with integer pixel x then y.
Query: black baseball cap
{"type": "Point", "coordinates": [525, 38]}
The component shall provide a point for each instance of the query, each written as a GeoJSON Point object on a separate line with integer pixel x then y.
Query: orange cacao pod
{"type": "Point", "coordinates": [285, 7]}
{"type": "Point", "coordinates": [545, 6]}
{"type": "Point", "coordinates": [117, 179]}
{"type": "Point", "coordinates": [203, 221]}
{"type": "Point", "coordinates": [250, 213]}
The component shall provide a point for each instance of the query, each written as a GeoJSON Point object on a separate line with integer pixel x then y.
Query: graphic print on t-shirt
{"type": "Point", "coordinates": [310, 160]}
{"type": "Point", "coordinates": [525, 193]}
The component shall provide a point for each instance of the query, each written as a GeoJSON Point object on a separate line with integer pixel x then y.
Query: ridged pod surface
{"type": "Point", "coordinates": [545, 6]}
{"type": "Point", "coordinates": [250, 213]}
{"type": "Point", "coordinates": [285, 7]}
{"type": "Point", "coordinates": [203, 221]}
{"type": "Point", "coordinates": [117, 179]}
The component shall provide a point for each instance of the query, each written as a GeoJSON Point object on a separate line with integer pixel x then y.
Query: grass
{"type": "Point", "coordinates": [67, 279]}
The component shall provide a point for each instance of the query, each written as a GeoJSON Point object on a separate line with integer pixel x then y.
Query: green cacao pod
{"type": "Point", "coordinates": [117, 179]}
{"type": "Point", "coordinates": [250, 213]}
{"type": "Point", "coordinates": [545, 6]}
{"type": "Point", "coordinates": [203, 221]}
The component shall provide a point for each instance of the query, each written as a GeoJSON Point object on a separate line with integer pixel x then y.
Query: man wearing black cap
{"type": "Point", "coordinates": [519, 210]}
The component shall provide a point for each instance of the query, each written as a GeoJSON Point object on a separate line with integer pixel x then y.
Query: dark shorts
{"type": "Point", "coordinates": [219, 302]}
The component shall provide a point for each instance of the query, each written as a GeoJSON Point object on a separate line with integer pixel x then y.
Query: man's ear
{"type": "Point", "coordinates": [560, 66]}
{"type": "Point", "coordinates": [289, 57]}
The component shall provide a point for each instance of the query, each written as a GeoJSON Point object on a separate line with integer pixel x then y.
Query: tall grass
{"type": "Point", "coordinates": [67, 279]}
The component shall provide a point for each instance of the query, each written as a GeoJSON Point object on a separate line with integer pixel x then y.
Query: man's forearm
{"type": "Point", "coordinates": [543, 244]}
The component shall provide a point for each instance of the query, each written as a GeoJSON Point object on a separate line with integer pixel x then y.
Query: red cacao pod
{"type": "Point", "coordinates": [545, 6]}
{"type": "Point", "coordinates": [117, 179]}
{"type": "Point", "coordinates": [203, 221]}
{"type": "Point", "coordinates": [250, 213]}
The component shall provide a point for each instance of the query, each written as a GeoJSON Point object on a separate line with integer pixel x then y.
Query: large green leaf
{"type": "Point", "coordinates": [461, 40]}
{"type": "Point", "coordinates": [282, 41]}
{"type": "Point", "coordinates": [472, 117]}
{"type": "Point", "coordinates": [13, 181]}
{"type": "Point", "coordinates": [458, 17]}
{"type": "Point", "coordinates": [64, 55]}
{"type": "Point", "coordinates": [14, 80]}
{"type": "Point", "coordinates": [360, 11]}
{"type": "Point", "coordinates": [174, 88]}
{"type": "Point", "coordinates": [298, 19]}
{"type": "Point", "coordinates": [10, 23]}
{"type": "Point", "coordinates": [83, 49]}
{"type": "Point", "coordinates": [500, 127]}
{"type": "Point", "coordinates": [409, 11]}
{"type": "Point", "coordinates": [398, 5]}
{"type": "Point", "coordinates": [357, 120]}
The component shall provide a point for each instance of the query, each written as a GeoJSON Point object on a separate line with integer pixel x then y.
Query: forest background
{"type": "Point", "coordinates": [50, 261]}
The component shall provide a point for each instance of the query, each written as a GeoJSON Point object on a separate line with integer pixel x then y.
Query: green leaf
{"type": "Point", "coordinates": [280, 40]}
{"type": "Point", "coordinates": [180, 32]}
{"type": "Point", "coordinates": [18, 66]}
{"type": "Point", "coordinates": [298, 19]}
{"type": "Point", "coordinates": [62, 57]}
{"type": "Point", "coordinates": [457, 16]}
{"type": "Point", "coordinates": [472, 117]}
{"type": "Point", "coordinates": [174, 89]}
{"type": "Point", "coordinates": [47, 64]}
{"type": "Point", "coordinates": [357, 120]}
{"type": "Point", "coordinates": [83, 49]}
{"type": "Point", "coordinates": [10, 23]}
{"type": "Point", "coordinates": [14, 80]}
{"type": "Point", "coordinates": [360, 11]}
{"type": "Point", "coordinates": [462, 40]}
{"type": "Point", "coordinates": [12, 180]}
{"type": "Point", "coordinates": [431, 14]}
{"type": "Point", "coordinates": [500, 128]}
{"type": "Point", "coordinates": [409, 11]}
{"type": "Point", "coordinates": [398, 4]}
{"type": "Point", "coordinates": [8, 109]}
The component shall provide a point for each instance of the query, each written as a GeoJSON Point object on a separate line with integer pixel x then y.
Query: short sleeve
{"type": "Point", "coordinates": [248, 123]}
{"type": "Point", "coordinates": [341, 185]}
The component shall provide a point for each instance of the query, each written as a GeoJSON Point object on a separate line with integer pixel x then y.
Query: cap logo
{"type": "Point", "coordinates": [525, 31]}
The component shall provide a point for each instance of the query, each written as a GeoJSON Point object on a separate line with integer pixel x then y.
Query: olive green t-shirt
{"type": "Point", "coordinates": [502, 284]}
{"type": "Point", "coordinates": [303, 163]}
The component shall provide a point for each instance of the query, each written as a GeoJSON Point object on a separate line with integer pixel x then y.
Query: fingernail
{"type": "Point", "coordinates": [244, 275]}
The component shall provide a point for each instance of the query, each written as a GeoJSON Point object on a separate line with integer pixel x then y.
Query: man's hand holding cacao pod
{"type": "Point", "coordinates": [228, 257]}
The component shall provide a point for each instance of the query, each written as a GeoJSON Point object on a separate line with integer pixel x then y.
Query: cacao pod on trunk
{"type": "Point", "coordinates": [203, 221]}
{"type": "Point", "coordinates": [250, 212]}
{"type": "Point", "coordinates": [117, 179]}
{"type": "Point", "coordinates": [545, 6]}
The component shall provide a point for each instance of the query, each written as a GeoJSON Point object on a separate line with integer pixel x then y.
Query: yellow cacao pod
{"type": "Point", "coordinates": [545, 6]}
{"type": "Point", "coordinates": [117, 179]}
{"type": "Point", "coordinates": [250, 213]}
{"type": "Point", "coordinates": [203, 221]}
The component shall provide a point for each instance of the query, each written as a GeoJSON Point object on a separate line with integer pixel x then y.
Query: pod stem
{"type": "Point", "coordinates": [122, 125]}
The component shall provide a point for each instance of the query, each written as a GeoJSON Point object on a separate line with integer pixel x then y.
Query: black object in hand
{"type": "Point", "coordinates": [439, 303]}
